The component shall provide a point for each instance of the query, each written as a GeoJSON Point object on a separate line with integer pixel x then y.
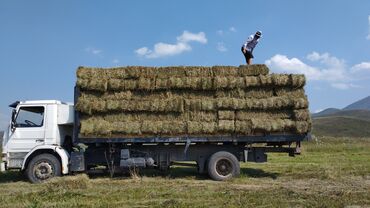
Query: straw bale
{"type": "Point", "coordinates": [93, 84]}
{"type": "Point", "coordinates": [193, 104]}
{"type": "Point", "coordinates": [194, 127]}
{"type": "Point", "coordinates": [143, 116]}
{"type": "Point", "coordinates": [243, 127]}
{"type": "Point", "coordinates": [226, 126]}
{"type": "Point", "coordinates": [228, 82]}
{"type": "Point", "coordinates": [303, 127]}
{"type": "Point", "coordinates": [90, 73]}
{"type": "Point", "coordinates": [302, 115]}
{"type": "Point", "coordinates": [208, 105]}
{"type": "Point", "coordinates": [202, 116]}
{"type": "Point", "coordinates": [163, 127]}
{"type": "Point", "coordinates": [280, 79]}
{"type": "Point", "coordinates": [275, 114]}
{"type": "Point", "coordinates": [253, 70]}
{"type": "Point", "coordinates": [272, 125]}
{"type": "Point", "coordinates": [198, 71]}
{"type": "Point", "coordinates": [146, 83]}
{"type": "Point", "coordinates": [231, 103]}
{"type": "Point", "coordinates": [252, 81]}
{"type": "Point", "coordinates": [298, 80]}
{"type": "Point", "coordinates": [207, 83]}
{"type": "Point", "coordinates": [170, 71]}
{"type": "Point", "coordinates": [225, 71]}
{"type": "Point", "coordinates": [122, 84]}
{"type": "Point", "coordinates": [226, 115]}
{"type": "Point", "coordinates": [116, 73]}
{"type": "Point", "coordinates": [130, 128]}
{"type": "Point", "coordinates": [292, 92]}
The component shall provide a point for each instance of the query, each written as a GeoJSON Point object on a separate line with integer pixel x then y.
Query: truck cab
{"type": "Point", "coordinates": [38, 138]}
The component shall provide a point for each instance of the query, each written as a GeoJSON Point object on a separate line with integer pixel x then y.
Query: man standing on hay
{"type": "Point", "coordinates": [248, 46]}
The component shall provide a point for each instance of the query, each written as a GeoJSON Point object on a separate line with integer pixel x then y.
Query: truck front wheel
{"type": "Point", "coordinates": [43, 167]}
{"type": "Point", "coordinates": [223, 166]}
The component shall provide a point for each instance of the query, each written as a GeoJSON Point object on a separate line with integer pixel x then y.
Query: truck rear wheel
{"type": "Point", "coordinates": [223, 166]}
{"type": "Point", "coordinates": [43, 167]}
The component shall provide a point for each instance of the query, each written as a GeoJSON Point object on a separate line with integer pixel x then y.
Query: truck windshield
{"type": "Point", "coordinates": [30, 117]}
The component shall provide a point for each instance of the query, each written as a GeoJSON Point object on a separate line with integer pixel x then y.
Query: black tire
{"type": "Point", "coordinates": [223, 166]}
{"type": "Point", "coordinates": [43, 167]}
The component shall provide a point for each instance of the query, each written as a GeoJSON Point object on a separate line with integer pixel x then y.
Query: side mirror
{"type": "Point", "coordinates": [12, 124]}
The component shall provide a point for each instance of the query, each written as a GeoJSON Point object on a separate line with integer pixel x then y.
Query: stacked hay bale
{"type": "Point", "coordinates": [190, 101]}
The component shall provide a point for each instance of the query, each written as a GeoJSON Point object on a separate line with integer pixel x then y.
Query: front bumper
{"type": "Point", "coordinates": [2, 167]}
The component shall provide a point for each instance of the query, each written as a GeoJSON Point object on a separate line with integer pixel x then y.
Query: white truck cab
{"type": "Point", "coordinates": [38, 137]}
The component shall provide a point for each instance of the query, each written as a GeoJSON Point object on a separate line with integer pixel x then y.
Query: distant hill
{"type": "Point", "coordinates": [355, 114]}
{"type": "Point", "coordinates": [339, 126]}
{"type": "Point", "coordinates": [325, 112]}
{"type": "Point", "coordinates": [351, 121]}
{"type": "Point", "coordinates": [363, 104]}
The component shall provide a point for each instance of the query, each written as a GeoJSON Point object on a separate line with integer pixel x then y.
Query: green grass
{"type": "Point", "coordinates": [331, 172]}
{"type": "Point", "coordinates": [341, 126]}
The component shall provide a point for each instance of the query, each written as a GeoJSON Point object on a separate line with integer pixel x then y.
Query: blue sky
{"type": "Point", "coordinates": [43, 42]}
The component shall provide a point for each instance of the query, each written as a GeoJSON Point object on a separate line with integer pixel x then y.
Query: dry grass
{"type": "Point", "coordinates": [331, 172]}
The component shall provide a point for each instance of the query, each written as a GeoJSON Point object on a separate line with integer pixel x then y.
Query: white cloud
{"type": "Point", "coordinates": [327, 68]}
{"type": "Point", "coordinates": [93, 50]}
{"type": "Point", "coordinates": [364, 66]}
{"type": "Point", "coordinates": [283, 64]}
{"type": "Point", "coordinates": [232, 29]}
{"type": "Point", "coordinates": [188, 36]}
{"type": "Point", "coordinates": [115, 61]}
{"type": "Point", "coordinates": [166, 49]}
{"type": "Point", "coordinates": [368, 36]}
{"type": "Point", "coordinates": [221, 47]}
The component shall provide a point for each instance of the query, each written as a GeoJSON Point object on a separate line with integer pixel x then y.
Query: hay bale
{"type": "Point", "coordinates": [146, 83]}
{"type": "Point", "coordinates": [90, 73]}
{"type": "Point", "coordinates": [231, 104]}
{"type": "Point", "coordinates": [170, 71]}
{"type": "Point", "coordinates": [197, 71]}
{"type": "Point", "coordinates": [302, 115]}
{"type": "Point", "coordinates": [225, 71]}
{"type": "Point", "coordinates": [252, 81]}
{"type": "Point", "coordinates": [226, 115]}
{"type": "Point", "coordinates": [128, 128]}
{"type": "Point", "coordinates": [253, 70]}
{"type": "Point", "coordinates": [202, 116]}
{"type": "Point", "coordinates": [243, 127]}
{"type": "Point", "coordinates": [227, 126]}
{"type": "Point", "coordinates": [292, 92]}
{"type": "Point", "coordinates": [100, 85]}
{"type": "Point", "coordinates": [297, 80]}
{"type": "Point", "coordinates": [271, 114]}
{"type": "Point", "coordinates": [194, 127]}
{"type": "Point", "coordinates": [228, 82]}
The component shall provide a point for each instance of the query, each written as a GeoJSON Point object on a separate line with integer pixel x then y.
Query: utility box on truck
{"type": "Point", "coordinates": [159, 116]}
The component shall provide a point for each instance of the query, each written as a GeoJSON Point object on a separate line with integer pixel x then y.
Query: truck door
{"type": "Point", "coordinates": [28, 132]}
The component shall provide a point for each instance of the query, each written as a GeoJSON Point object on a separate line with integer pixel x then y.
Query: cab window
{"type": "Point", "coordinates": [30, 117]}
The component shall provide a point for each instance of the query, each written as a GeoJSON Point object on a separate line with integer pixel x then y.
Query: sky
{"type": "Point", "coordinates": [43, 42]}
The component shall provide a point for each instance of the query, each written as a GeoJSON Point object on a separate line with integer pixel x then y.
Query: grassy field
{"type": "Point", "coordinates": [329, 173]}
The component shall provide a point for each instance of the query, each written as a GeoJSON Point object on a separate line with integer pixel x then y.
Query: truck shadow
{"type": "Point", "coordinates": [174, 173]}
{"type": "Point", "coordinates": [189, 173]}
{"type": "Point", "coordinates": [258, 173]}
{"type": "Point", "coordinates": [11, 176]}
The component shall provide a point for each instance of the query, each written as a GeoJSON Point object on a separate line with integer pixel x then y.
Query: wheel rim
{"type": "Point", "coordinates": [43, 170]}
{"type": "Point", "coordinates": [224, 167]}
